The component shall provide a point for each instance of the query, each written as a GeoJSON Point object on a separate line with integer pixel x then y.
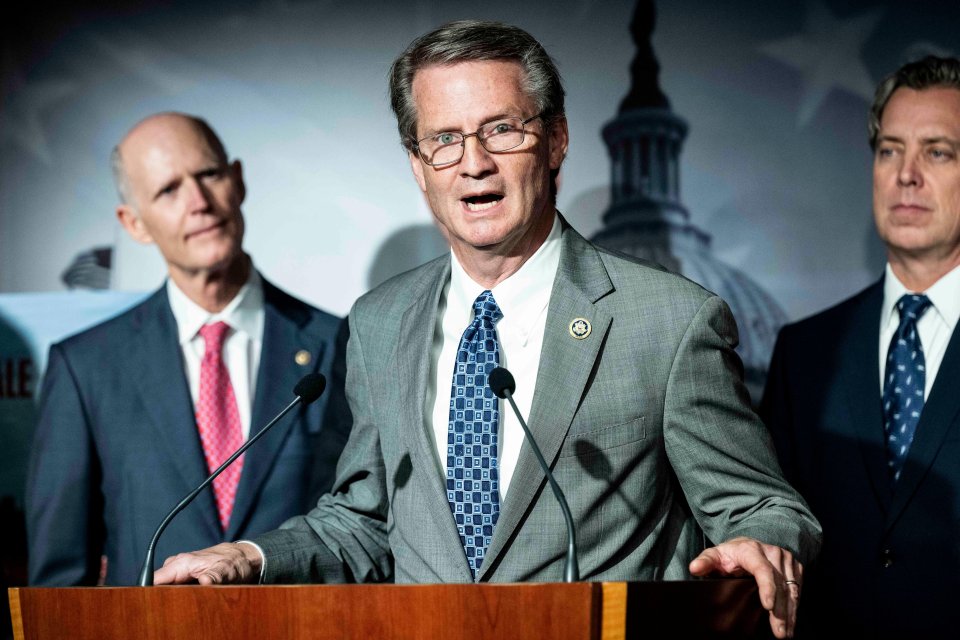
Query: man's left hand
{"type": "Point", "coordinates": [778, 575]}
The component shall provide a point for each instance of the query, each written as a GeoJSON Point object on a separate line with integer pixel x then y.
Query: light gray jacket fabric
{"type": "Point", "coordinates": [646, 424]}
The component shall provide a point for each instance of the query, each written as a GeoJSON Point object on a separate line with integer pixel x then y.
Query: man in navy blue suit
{"type": "Point", "coordinates": [863, 398]}
{"type": "Point", "coordinates": [136, 411]}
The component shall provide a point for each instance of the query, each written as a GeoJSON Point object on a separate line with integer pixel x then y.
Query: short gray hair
{"type": "Point", "coordinates": [122, 181]}
{"type": "Point", "coordinates": [926, 73]}
{"type": "Point", "coordinates": [474, 40]}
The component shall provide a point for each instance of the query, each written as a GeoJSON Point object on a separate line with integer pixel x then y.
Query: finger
{"type": "Point", "coordinates": [172, 573]}
{"type": "Point", "coordinates": [208, 578]}
{"type": "Point", "coordinates": [713, 560]}
{"type": "Point", "coordinates": [793, 574]}
{"type": "Point", "coordinates": [707, 562]}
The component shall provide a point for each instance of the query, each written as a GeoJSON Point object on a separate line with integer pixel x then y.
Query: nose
{"type": "Point", "coordinates": [477, 162]}
{"type": "Point", "coordinates": [909, 174]}
{"type": "Point", "coordinates": [196, 195]}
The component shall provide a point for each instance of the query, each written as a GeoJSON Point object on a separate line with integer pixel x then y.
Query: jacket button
{"type": "Point", "coordinates": [886, 558]}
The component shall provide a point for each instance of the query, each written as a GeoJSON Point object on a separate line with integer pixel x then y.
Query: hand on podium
{"type": "Point", "coordinates": [777, 572]}
{"type": "Point", "coordinates": [225, 563]}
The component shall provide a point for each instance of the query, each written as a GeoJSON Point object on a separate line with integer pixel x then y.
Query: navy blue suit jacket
{"type": "Point", "coordinates": [890, 563]}
{"type": "Point", "coordinates": [116, 444]}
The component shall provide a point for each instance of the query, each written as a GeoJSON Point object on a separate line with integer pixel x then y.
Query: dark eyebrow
{"type": "Point", "coordinates": [941, 140]}
{"type": "Point", "coordinates": [931, 140]}
{"type": "Point", "coordinates": [890, 139]}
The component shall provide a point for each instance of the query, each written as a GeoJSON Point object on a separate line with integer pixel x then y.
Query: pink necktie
{"type": "Point", "coordinates": [218, 419]}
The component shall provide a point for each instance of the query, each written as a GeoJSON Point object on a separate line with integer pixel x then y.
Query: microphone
{"type": "Point", "coordinates": [502, 384]}
{"type": "Point", "coordinates": [309, 388]}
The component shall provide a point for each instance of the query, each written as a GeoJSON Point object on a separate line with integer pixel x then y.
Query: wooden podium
{"type": "Point", "coordinates": [582, 611]}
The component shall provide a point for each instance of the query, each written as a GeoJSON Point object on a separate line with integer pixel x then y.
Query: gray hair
{"type": "Point", "coordinates": [474, 40]}
{"type": "Point", "coordinates": [122, 181]}
{"type": "Point", "coordinates": [926, 73]}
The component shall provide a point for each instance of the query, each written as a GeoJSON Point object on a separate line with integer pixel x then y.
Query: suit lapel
{"type": "Point", "coordinates": [278, 373]}
{"type": "Point", "coordinates": [565, 367]}
{"type": "Point", "coordinates": [163, 387]}
{"type": "Point", "coordinates": [941, 412]}
{"type": "Point", "coordinates": [413, 352]}
{"type": "Point", "coordinates": [859, 365]}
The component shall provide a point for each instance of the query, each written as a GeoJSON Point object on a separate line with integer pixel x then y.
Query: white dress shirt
{"type": "Point", "coordinates": [523, 298]}
{"type": "Point", "coordinates": [241, 349]}
{"type": "Point", "coordinates": [935, 326]}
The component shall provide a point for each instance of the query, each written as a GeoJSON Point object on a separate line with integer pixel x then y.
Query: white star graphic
{"type": "Point", "coordinates": [20, 116]}
{"type": "Point", "coordinates": [827, 55]}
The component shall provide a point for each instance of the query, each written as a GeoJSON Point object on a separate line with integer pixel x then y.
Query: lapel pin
{"type": "Point", "coordinates": [302, 358]}
{"type": "Point", "coordinates": [580, 328]}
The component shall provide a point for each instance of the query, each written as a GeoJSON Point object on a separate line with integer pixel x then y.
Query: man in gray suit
{"type": "Point", "coordinates": [627, 374]}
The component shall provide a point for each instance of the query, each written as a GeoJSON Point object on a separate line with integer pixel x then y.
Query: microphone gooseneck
{"type": "Point", "coordinates": [502, 384]}
{"type": "Point", "coordinates": [309, 388]}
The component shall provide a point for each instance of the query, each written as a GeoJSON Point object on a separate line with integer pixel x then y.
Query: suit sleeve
{"type": "Point", "coordinates": [344, 538]}
{"type": "Point", "coordinates": [63, 501]}
{"type": "Point", "coordinates": [721, 452]}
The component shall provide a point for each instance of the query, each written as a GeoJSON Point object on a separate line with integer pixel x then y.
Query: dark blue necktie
{"type": "Point", "coordinates": [473, 480]}
{"type": "Point", "coordinates": [904, 383]}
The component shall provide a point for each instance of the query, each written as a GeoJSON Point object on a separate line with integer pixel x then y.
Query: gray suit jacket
{"type": "Point", "coordinates": [646, 424]}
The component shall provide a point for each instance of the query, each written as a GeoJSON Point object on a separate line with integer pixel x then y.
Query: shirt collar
{"type": "Point", "coordinates": [944, 297]}
{"type": "Point", "coordinates": [242, 313]}
{"type": "Point", "coordinates": [522, 296]}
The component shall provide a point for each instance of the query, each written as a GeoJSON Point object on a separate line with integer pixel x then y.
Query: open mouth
{"type": "Point", "coordinates": [482, 202]}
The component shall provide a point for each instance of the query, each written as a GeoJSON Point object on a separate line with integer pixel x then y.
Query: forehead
{"type": "Point", "coordinates": [171, 144]}
{"type": "Point", "coordinates": [925, 113]}
{"type": "Point", "coordinates": [465, 94]}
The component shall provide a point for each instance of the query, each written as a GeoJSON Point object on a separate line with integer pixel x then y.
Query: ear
{"type": "Point", "coordinates": [237, 170]}
{"type": "Point", "coordinates": [417, 166]}
{"type": "Point", "coordinates": [132, 222]}
{"type": "Point", "coordinates": [559, 138]}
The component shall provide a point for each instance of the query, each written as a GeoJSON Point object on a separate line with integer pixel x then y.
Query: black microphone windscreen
{"type": "Point", "coordinates": [310, 387]}
{"type": "Point", "coordinates": [501, 381]}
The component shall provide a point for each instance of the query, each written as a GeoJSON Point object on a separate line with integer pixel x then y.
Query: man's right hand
{"type": "Point", "coordinates": [226, 563]}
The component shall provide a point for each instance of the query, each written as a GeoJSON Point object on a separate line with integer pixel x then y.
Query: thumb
{"type": "Point", "coordinates": [707, 562]}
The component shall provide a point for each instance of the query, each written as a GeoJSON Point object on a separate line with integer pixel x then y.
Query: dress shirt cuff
{"type": "Point", "coordinates": [263, 558]}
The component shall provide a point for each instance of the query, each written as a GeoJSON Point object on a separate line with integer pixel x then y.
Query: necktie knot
{"type": "Point", "coordinates": [214, 336]}
{"type": "Point", "coordinates": [486, 309]}
{"type": "Point", "coordinates": [912, 307]}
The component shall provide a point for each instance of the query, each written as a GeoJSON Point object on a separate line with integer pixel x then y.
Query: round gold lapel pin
{"type": "Point", "coordinates": [302, 357]}
{"type": "Point", "coordinates": [580, 328]}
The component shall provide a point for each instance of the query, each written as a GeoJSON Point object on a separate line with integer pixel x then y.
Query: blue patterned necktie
{"type": "Point", "coordinates": [904, 383]}
{"type": "Point", "coordinates": [473, 477]}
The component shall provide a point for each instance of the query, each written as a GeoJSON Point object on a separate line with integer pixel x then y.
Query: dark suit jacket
{"type": "Point", "coordinates": [116, 444]}
{"type": "Point", "coordinates": [890, 563]}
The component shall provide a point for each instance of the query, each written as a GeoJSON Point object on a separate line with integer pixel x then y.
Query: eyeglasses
{"type": "Point", "coordinates": [498, 136]}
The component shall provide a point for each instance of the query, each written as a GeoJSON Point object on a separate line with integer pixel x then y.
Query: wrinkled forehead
{"type": "Point", "coordinates": [159, 152]}
{"type": "Point", "coordinates": [929, 112]}
{"type": "Point", "coordinates": [169, 136]}
{"type": "Point", "coordinates": [469, 92]}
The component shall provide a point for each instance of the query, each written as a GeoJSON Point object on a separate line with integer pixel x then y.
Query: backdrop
{"type": "Point", "coordinates": [775, 168]}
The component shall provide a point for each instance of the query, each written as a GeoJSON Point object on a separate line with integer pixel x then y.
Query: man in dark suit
{"type": "Point", "coordinates": [863, 398]}
{"type": "Point", "coordinates": [135, 412]}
